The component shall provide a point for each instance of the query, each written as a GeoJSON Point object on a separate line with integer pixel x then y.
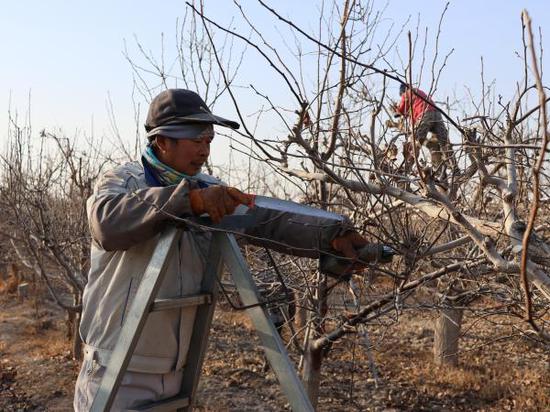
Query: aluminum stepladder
{"type": "Point", "coordinates": [223, 250]}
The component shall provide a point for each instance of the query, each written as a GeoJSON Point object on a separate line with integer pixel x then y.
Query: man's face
{"type": "Point", "coordinates": [186, 155]}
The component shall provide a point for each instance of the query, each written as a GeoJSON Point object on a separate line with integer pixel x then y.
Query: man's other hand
{"type": "Point", "coordinates": [218, 201]}
{"type": "Point", "coordinates": [348, 244]}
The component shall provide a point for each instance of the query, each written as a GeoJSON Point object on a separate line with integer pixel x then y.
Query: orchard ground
{"type": "Point", "coordinates": [38, 374]}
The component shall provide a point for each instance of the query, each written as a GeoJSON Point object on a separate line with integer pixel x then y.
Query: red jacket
{"type": "Point", "coordinates": [419, 106]}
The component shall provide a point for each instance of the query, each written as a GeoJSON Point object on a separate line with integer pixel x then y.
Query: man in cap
{"type": "Point", "coordinates": [416, 105]}
{"type": "Point", "coordinates": [129, 208]}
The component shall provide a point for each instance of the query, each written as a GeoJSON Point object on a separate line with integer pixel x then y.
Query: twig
{"type": "Point", "coordinates": [543, 126]}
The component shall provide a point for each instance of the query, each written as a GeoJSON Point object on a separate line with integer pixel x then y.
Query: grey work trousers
{"type": "Point", "coordinates": [136, 388]}
{"type": "Point", "coordinates": [440, 150]}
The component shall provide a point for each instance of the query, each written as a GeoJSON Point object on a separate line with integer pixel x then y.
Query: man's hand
{"type": "Point", "coordinates": [394, 108]}
{"type": "Point", "coordinates": [218, 201]}
{"type": "Point", "coordinates": [348, 244]}
{"type": "Point", "coordinates": [391, 123]}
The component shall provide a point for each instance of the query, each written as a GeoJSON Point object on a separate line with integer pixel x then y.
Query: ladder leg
{"type": "Point", "coordinates": [203, 321]}
{"type": "Point", "coordinates": [134, 323]}
{"type": "Point", "coordinates": [274, 347]}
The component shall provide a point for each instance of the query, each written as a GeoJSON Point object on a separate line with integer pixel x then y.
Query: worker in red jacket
{"type": "Point", "coordinates": [420, 109]}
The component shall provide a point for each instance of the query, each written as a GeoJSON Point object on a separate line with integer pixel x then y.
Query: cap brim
{"type": "Point", "coordinates": [180, 131]}
{"type": "Point", "coordinates": [208, 118]}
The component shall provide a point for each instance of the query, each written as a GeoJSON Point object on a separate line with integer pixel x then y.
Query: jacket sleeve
{"type": "Point", "coordinates": [294, 234]}
{"type": "Point", "coordinates": [121, 216]}
{"type": "Point", "coordinates": [403, 106]}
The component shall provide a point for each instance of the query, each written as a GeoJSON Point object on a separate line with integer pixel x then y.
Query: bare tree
{"type": "Point", "coordinates": [45, 184]}
{"type": "Point", "coordinates": [462, 241]}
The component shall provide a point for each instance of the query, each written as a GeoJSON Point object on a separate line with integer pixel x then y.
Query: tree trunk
{"type": "Point", "coordinates": [73, 332]}
{"type": "Point", "coordinates": [313, 359]}
{"type": "Point", "coordinates": [77, 341]}
{"type": "Point", "coordinates": [300, 320]}
{"type": "Point", "coordinates": [313, 356]}
{"type": "Point", "coordinates": [446, 337]}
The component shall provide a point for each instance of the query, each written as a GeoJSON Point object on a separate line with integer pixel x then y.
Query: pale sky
{"type": "Point", "coordinates": [68, 56]}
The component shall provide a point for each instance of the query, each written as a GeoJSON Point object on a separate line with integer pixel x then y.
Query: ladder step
{"type": "Point", "coordinates": [167, 405]}
{"type": "Point", "coordinates": [192, 300]}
